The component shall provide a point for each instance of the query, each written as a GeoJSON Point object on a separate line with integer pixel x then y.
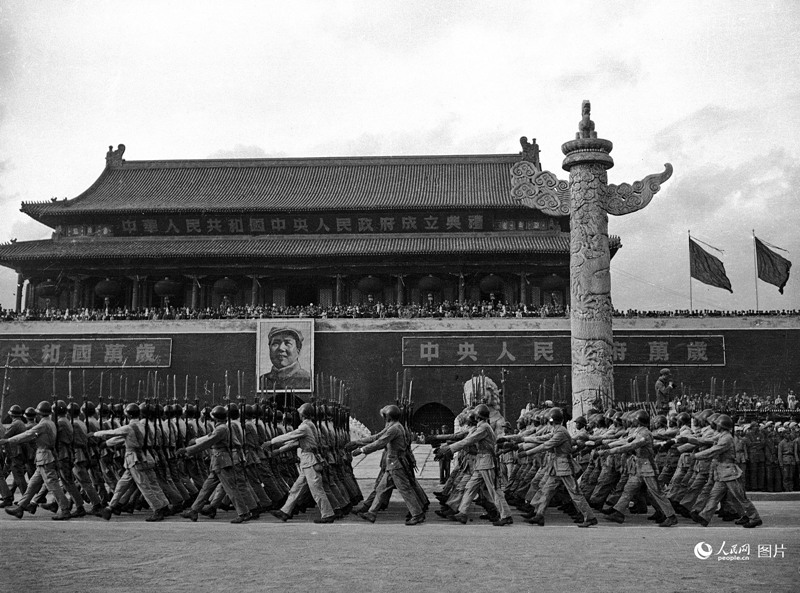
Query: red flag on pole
{"type": "Point", "coordinates": [772, 268]}
{"type": "Point", "coordinates": [707, 268]}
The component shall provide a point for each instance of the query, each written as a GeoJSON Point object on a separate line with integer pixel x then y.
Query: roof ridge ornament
{"type": "Point", "coordinates": [530, 152]}
{"type": "Point", "coordinates": [114, 157]}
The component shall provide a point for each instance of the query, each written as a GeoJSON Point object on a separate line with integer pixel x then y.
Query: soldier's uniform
{"type": "Point", "coordinates": [138, 464]}
{"type": "Point", "coordinates": [44, 434]}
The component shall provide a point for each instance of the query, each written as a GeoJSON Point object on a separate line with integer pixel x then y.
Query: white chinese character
{"type": "Point", "coordinates": [475, 222]}
{"type": "Point", "coordinates": [431, 223]}
{"type": "Point", "coordinates": [467, 350]}
{"type": "Point", "coordinates": [300, 225]}
{"type": "Point", "coordinates": [387, 224]}
{"type": "Point", "coordinates": [365, 224]}
{"type": "Point", "coordinates": [506, 353]}
{"type": "Point", "coordinates": [146, 353]}
{"type": "Point", "coordinates": [696, 351]}
{"type": "Point", "coordinates": [129, 226]}
{"type": "Point", "coordinates": [19, 351]}
{"type": "Point", "coordinates": [764, 551]}
{"type": "Point", "coordinates": [658, 351]}
{"type": "Point", "coordinates": [51, 353]}
{"type": "Point", "coordinates": [543, 350]}
{"type": "Point", "coordinates": [452, 222]}
{"type": "Point", "coordinates": [620, 350]}
{"type": "Point", "coordinates": [322, 227]}
{"type": "Point", "coordinates": [409, 223]}
{"type": "Point", "coordinates": [235, 225]}
{"type": "Point", "coordinates": [82, 353]}
{"type": "Point", "coordinates": [214, 225]}
{"type": "Point", "coordinates": [172, 227]}
{"type": "Point", "coordinates": [278, 224]}
{"type": "Point", "coordinates": [193, 225]}
{"type": "Point", "coordinates": [150, 225]}
{"type": "Point", "coordinates": [343, 224]}
{"type": "Point", "coordinates": [779, 549]}
{"type": "Point", "coordinates": [257, 225]}
{"type": "Point", "coordinates": [114, 353]}
{"type": "Point", "coordinates": [429, 351]}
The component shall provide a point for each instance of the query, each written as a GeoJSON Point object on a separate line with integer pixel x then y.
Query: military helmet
{"type": "Point", "coordinates": [724, 422]}
{"type": "Point", "coordinates": [190, 410]}
{"type": "Point", "coordinates": [177, 409]}
{"type": "Point", "coordinates": [556, 415]}
{"type": "Point", "coordinates": [219, 413]}
{"type": "Point", "coordinates": [88, 409]}
{"type": "Point", "coordinates": [392, 412]}
{"type": "Point", "coordinates": [307, 411]}
{"type": "Point", "coordinates": [642, 417]}
{"type": "Point", "coordinates": [661, 421]}
{"type": "Point", "coordinates": [482, 411]}
{"type": "Point", "coordinates": [30, 413]}
{"type": "Point", "coordinates": [133, 410]}
{"type": "Point", "coordinates": [250, 411]}
{"type": "Point", "coordinates": [580, 422]}
{"type": "Point", "coordinates": [684, 419]}
{"type": "Point", "coordinates": [233, 411]}
{"type": "Point", "coordinates": [15, 411]}
{"type": "Point", "coordinates": [712, 419]}
{"type": "Point", "coordinates": [74, 409]}
{"type": "Point", "coordinates": [44, 408]}
{"type": "Point", "coordinates": [61, 407]}
{"type": "Point", "coordinates": [117, 410]}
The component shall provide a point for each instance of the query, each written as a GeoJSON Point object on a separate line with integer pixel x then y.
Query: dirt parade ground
{"type": "Point", "coordinates": [351, 555]}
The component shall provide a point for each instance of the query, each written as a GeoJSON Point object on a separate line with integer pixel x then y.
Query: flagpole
{"type": "Point", "coordinates": [690, 271]}
{"type": "Point", "coordinates": [755, 267]}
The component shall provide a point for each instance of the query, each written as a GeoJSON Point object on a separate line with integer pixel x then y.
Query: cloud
{"type": "Point", "coordinates": [604, 72]}
{"type": "Point", "coordinates": [241, 151]}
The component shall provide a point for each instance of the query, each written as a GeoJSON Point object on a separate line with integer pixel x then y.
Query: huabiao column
{"type": "Point", "coordinates": [588, 199]}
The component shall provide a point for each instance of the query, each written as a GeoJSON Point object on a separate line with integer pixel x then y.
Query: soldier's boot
{"type": "Point", "coordinates": [503, 521]}
{"type": "Point", "coordinates": [615, 516]}
{"type": "Point", "coordinates": [79, 512]}
{"type": "Point", "coordinates": [669, 521]}
{"type": "Point", "coordinates": [97, 510]}
{"type": "Point", "coordinates": [62, 515]}
{"type": "Point", "coordinates": [16, 511]}
{"type": "Point", "coordinates": [50, 506]}
{"type": "Point", "coordinates": [537, 519]}
{"type": "Point", "coordinates": [658, 516]}
{"type": "Point", "coordinates": [158, 515]}
{"type": "Point", "coordinates": [753, 523]}
{"type": "Point", "coordinates": [368, 516]}
{"type": "Point", "coordinates": [460, 518]}
{"type": "Point", "coordinates": [588, 522]}
{"type": "Point", "coordinates": [242, 518]}
{"type": "Point", "coordinates": [190, 514]}
{"type": "Point", "coordinates": [7, 502]}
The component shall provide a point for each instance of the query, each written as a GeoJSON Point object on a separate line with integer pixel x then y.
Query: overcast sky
{"type": "Point", "coordinates": [711, 87]}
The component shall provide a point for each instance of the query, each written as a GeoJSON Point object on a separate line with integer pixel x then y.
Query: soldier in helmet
{"type": "Point", "coordinates": [306, 438]}
{"type": "Point", "coordinates": [664, 388]}
{"type": "Point", "coordinates": [44, 434]}
{"type": "Point", "coordinates": [138, 464]}
{"type": "Point", "coordinates": [561, 471]}
{"type": "Point", "coordinates": [726, 478]}
{"type": "Point", "coordinates": [394, 439]}
{"type": "Point", "coordinates": [642, 472]}
{"type": "Point", "coordinates": [16, 453]}
{"type": "Point", "coordinates": [81, 459]}
{"type": "Point", "coordinates": [484, 475]}
{"type": "Point", "coordinates": [221, 470]}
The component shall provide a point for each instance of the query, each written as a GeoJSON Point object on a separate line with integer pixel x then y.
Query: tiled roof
{"type": "Point", "coordinates": [268, 247]}
{"type": "Point", "coordinates": [355, 183]}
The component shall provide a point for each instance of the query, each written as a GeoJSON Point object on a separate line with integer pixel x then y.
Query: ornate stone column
{"type": "Point", "coordinates": [587, 199]}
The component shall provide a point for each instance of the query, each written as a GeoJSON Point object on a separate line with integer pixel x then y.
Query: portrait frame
{"type": "Point", "coordinates": [264, 365]}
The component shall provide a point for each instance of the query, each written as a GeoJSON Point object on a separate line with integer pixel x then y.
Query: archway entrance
{"type": "Point", "coordinates": [430, 418]}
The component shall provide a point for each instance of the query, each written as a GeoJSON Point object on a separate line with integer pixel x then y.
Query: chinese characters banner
{"type": "Point", "coordinates": [297, 224]}
{"type": "Point", "coordinates": [516, 350]}
{"type": "Point", "coordinates": [87, 353]}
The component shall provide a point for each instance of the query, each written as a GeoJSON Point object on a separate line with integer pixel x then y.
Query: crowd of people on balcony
{"type": "Point", "coordinates": [441, 310]}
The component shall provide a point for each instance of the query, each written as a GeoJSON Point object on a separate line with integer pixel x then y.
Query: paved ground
{"type": "Point", "coordinates": [127, 554]}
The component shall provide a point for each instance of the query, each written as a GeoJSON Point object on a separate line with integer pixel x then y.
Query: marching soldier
{"type": "Point", "coordinates": [306, 438]}
{"type": "Point", "coordinates": [484, 475]}
{"type": "Point", "coordinates": [138, 465]}
{"type": "Point", "coordinates": [643, 473]}
{"type": "Point", "coordinates": [395, 440]}
{"type": "Point", "coordinates": [726, 475]}
{"type": "Point", "coordinates": [221, 469]}
{"type": "Point", "coordinates": [16, 453]}
{"type": "Point", "coordinates": [44, 434]}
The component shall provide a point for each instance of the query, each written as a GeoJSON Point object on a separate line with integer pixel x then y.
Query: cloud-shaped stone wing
{"type": "Point", "coordinates": [626, 198]}
{"type": "Point", "coordinates": [541, 190]}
